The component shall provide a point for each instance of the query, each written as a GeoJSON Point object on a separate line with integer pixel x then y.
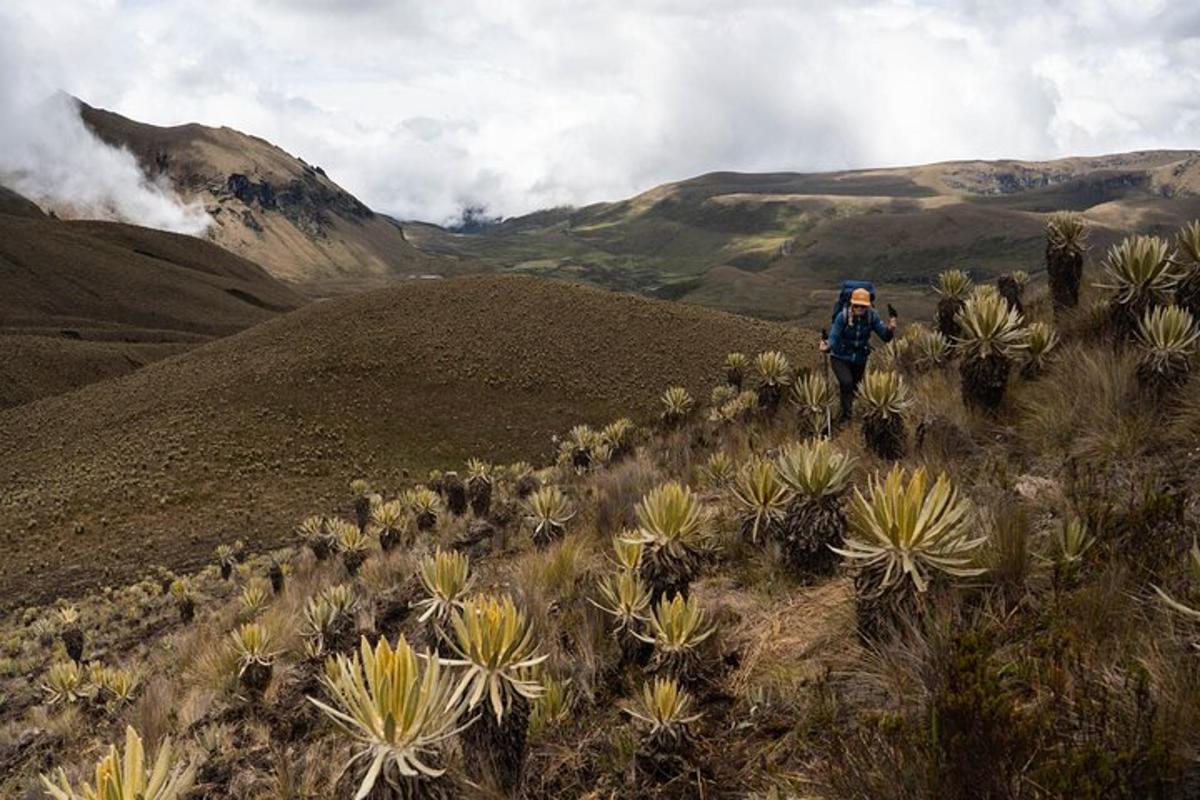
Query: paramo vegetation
{"type": "Point", "coordinates": [986, 586]}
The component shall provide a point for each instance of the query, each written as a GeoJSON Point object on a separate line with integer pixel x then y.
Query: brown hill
{"type": "Point", "coordinates": [777, 244]}
{"type": "Point", "coordinates": [91, 300]}
{"type": "Point", "coordinates": [269, 206]}
{"type": "Point", "coordinates": [32, 367]}
{"type": "Point", "coordinates": [15, 205]}
{"type": "Point", "coordinates": [241, 436]}
{"type": "Point", "coordinates": [121, 281]}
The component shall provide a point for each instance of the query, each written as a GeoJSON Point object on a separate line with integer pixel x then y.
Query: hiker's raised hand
{"type": "Point", "coordinates": [823, 346]}
{"type": "Point", "coordinates": [891, 323]}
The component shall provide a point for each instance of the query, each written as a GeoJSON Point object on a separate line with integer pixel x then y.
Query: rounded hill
{"type": "Point", "coordinates": [240, 436]}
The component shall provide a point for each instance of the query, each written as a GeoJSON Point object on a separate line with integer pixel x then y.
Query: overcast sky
{"type": "Point", "coordinates": [420, 108]}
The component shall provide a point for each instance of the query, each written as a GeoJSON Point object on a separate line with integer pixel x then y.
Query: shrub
{"type": "Point", "coordinates": [991, 339]}
{"type": "Point", "coordinates": [549, 511]}
{"type": "Point", "coordinates": [952, 286]}
{"type": "Point", "coordinates": [735, 369]}
{"type": "Point", "coordinates": [1167, 335]}
{"type": "Point", "coordinates": [762, 497]}
{"type": "Point", "coordinates": [677, 405]}
{"type": "Point", "coordinates": [425, 506]}
{"type": "Point", "coordinates": [665, 712]}
{"type": "Point", "coordinates": [1066, 242]}
{"type": "Point", "coordinates": [815, 397]}
{"type": "Point", "coordinates": [817, 476]}
{"type": "Point", "coordinates": [255, 659]}
{"type": "Point", "coordinates": [315, 535]}
{"type": "Point", "coordinates": [676, 628]}
{"type": "Point", "coordinates": [1040, 342]}
{"type": "Point", "coordinates": [903, 533]}
{"type": "Point", "coordinates": [388, 521]}
{"type": "Point", "coordinates": [125, 777]}
{"type": "Point", "coordinates": [65, 683]}
{"type": "Point", "coordinates": [628, 550]}
{"type": "Point", "coordinates": [447, 579]}
{"type": "Point", "coordinates": [625, 597]}
{"type": "Point", "coordinates": [398, 708]}
{"type": "Point", "coordinates": [1187, 291]}
{"type": "Point", "coordinates": [329, 619]}
{"type": "Point", "coordinates": [886, 399]}
{"type": "Point", "coordinates": [255, 596]}
{"type": "Point", "coordinates": [671, 526]}
{"type": "Point", "coordinates": [719, 471]}
{"type": "Point", "coordinates": [499, 651]}
{"type": "Point", "coordinates": [1141, 272]}
{"type": "Point", "coordinates": [774, 373]}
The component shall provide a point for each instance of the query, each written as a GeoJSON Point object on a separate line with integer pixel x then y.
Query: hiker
{"type": "Point", "coordinates": [849, 345]}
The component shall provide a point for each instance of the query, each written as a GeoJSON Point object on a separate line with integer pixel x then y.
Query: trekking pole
{"type": "Point", "coordinates": [828, 379]}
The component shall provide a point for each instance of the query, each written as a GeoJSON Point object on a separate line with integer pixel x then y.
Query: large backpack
{"type": "Point", "coordinates": [848, 288]}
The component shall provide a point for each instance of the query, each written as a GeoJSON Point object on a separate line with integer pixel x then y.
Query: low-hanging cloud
{"type": "Point", "coordinates": [50, 156]}
{"type": "Point", "coordinates": [424, 109]}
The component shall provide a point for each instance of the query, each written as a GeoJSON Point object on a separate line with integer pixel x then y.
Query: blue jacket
{"type": "Point", "coordinates": [851, 340]}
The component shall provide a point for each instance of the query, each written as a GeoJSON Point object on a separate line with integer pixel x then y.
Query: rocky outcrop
{"type": "Point", "coordinates": [307, 202]}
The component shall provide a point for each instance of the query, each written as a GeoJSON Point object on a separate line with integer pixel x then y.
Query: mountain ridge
{"type": "Point", "coordinates": [271, 207]}
{"type": "Point", "coordinates": [776, 244]}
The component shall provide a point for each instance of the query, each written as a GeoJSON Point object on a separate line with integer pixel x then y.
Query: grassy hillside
{"type": "Point", "coordinates": [1020, 646]}
{"type": "Point", "coordinates": [86, 301]}
{"type": "Point", "coordinates": [33, 367]}
{"type": "Point", "coordinates": [123, 281]}
{"type": "Point", "coordinates": [240, 435]}
{"type": "Point", "coordinates": [776, 245]}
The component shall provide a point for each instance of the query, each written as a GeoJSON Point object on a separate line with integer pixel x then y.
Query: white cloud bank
{"type": "Point", "coordinates": [421, 108]}
{"type": "Point", "coordinates": [48, 155]}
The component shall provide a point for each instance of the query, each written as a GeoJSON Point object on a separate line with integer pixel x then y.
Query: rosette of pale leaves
{"type": "Point", "coordinates": [676, 627]}
{"type": "Point", "coordinates": [665, 711]}
{"type": "Point", "coordinates": [625, 597]}
{"type": "Point", "coordinates": [1040, 340]}
{"type": "Point", "coordinates": [929, 349]}
{"type": "Point", "coordinates": [762, 496]}
{"type": "Point", "coordinates": [549, 512]}
{"type": "Point", "coordinates": [815, 397]}
{"type": "Point", "coordinates": [1140, 269]}
{"type": "Point", "coordinates": [814, 469]}
{"type": "Point", "coordinates": [906, 530]}
{"type": "Point", "coordinates": [990, 328]}
{"type": "Point", "coordinates": [1168, 336]}
{"type": "Point", "coordinates": [252, 645]}
{"type": "Point", "coordinates": [719, 470]}
{"type": "Point", "coordinates": [670, 522]}
{"type": "Point", "coordinates": [495, 643]}
{"type": "Point", "coordinates": [885, 394]}
{"type": "Point", "coordinates": [399, 709]}
{"type": "Point", "coordinates": [628, 550]}
{"type": "Point", "coordinates": [65, 683]}
{"type": "Point", "coordinates": [1065, 230]}
{"type": "Point", "coordinates": [953, 283]}
{"type": "Point", "coordinates": [677, 403]}
{"type": "Point", "coordinates": [447, 579]}
{"type": "Point", "coordinates": [773, 368]}
{"type": "Point", "coordinates": [123, 776]}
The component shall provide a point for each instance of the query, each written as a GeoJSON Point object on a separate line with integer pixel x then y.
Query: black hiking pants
{"type": "Point", "coordinates": [848, 375]}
